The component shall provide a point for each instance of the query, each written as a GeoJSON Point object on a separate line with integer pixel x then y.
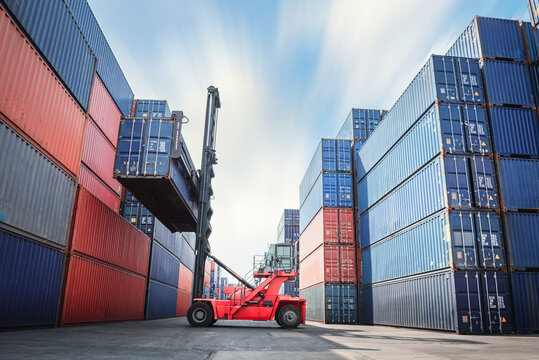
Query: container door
{"type": "Point", "coordinates": [129, 152]}
{"type": "Point", "coordinates": [457, 180]}
{"type": "Point", "coordinates": [345, 190]}
{"type": "Point", "coordinates": [331, 235]}
{"type": "Point", "coordinates": [475, 124]}
{"type": "Point", "coordinates": [484, 182]}
{"type": "Point", "coordinates": [487, 228]}
{"type": "Point", "coordinates": [330, 190]}
{"type": "Point", "coordinates": [463, 239]}
{"type": "Point", "coordinates": [329, 155]}
{"type": "Point", "coordinates": [346, 226]}
{"type": "Point", "coordinates": [451, 129]}
{"type": "Point", "coordinates": [157, 147]}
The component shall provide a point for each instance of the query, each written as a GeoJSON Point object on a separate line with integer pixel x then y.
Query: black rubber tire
{"type": "Point", "coordinates": [277, 320]}
{"type": "Point", "coordinates": [200, 314]}
{"type": "Point", "coordinates": [213, 321]}
{"type": "Point", "coordinates": [289, 317]}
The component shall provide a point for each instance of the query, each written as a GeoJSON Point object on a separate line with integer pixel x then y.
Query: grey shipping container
{"type": "Point", "coordinates": [461, 301]}
{"type": "Point", "coordinates": [35, 195]}
{"type": "Point", "coordinates": [52, 29]}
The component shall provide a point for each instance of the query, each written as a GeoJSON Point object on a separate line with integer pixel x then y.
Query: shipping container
{"type": "Point", "coordinates": [332, 304]}
{"type": "Point", "coordinates": [456, 240]}
{"type": "Point", "coordinates": [468, 302]}
{"type": "Point", "coordinates": [328, 264]}
{"type": "Point", "coordinates": [507, 83]}
{"type": "Point", "coordinates": [519, 183]}
{"type": "Point", "coordinates": [490, 38]}
{"type": "Point", "coordinates": [331, 155]}
{"type": "Point", "coordinates": [34, 101]}
{"type": "Point", "coordinates": [51, 27]}
{"type": "Point", "coordinates": [103, 111]}
{"type": "Point", "coordinates": [521, 231]}
{"type": "Point", "coordinates": [148, 164]}
{"type": "Point", "coordinates": [190, 238]}
{"type": "Point", "coordinates": [359, 124]}
{"type": "Point", "coordinates": [448, 128]}
{"type": "Point", "coordinates": [170, 241]}
{"type": "Point", "coordinates": [533, 6]}
{"type": "Point", "coordinates": [329, 226]}
{"type": "Point", "coordinates": [101, 233]}
{"type": "Point", "coordinates": [185, 281]}
{"type": "Point", "coordinates": [164, 266]}
{"type": "Point", "coordinates": [530, 41]}
{"type": "Point", "coordinates": [442, 79]}
{"type": "Point", "coordinates": [515, 131]}
{"type": "Point", "coordinates": [99, 154]}
{"type": "Point", "coordinates": [340, 304]}
{"type": "Point", "coordinates": [525, 289]}
{"type": "Point", "coordinates": [187, 257]}
{"type": "Point", "coordinates": [107, 65]}
{"type": "Point", "coordinates": [31, 281]}
{"type": "Point", "coordinates": [98, 292]}
{"type": "Point", "coordinates": [35, 194]}
{"type": "Point", "coordinates": [161, 300]}
{"type": "Point", "coordinates": [330, 190]}
{"type": "Point", "coordinates": [96, 187]}
{"type": "Point", "coordinates": [288, 227]}
{"type": "Point", "coordinates": [151, 108]}
{"type": "Point", "coordinates": [183, 302]}
{"type": "Point", "coordinates": [451, 181]}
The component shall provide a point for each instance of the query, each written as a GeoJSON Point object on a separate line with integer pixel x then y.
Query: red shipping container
{"type": "Point", "coordinates": [185, 281]}
{"type": "Point", "coordinates": [98, 154]}
{"type": "Point", "coordinates": [329, 226]}
{"type": "Point", "coordinates": [183, 303]}
{"type": "Point", "coordinates": [101, 233]}
{"type": "Point", "coordinates": [329, 264]}
{"type": "Point", "coordinates": [212, 268]}
{"type": "Point", "coordinates": [97, 188]}
{"type": "Point", "coordinates": [98, 292]}
{"type": "Point", "coordinates": [102, 109]}
{"type": "Point", "coordinates": [34, 101]}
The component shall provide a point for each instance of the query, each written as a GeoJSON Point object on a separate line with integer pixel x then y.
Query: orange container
{"type": "Point", "coordinates": [98, 188]}
{"type": "Point", "coordinates": [102, 109]}
{"type": "Point", "coordinates": [330, 264]}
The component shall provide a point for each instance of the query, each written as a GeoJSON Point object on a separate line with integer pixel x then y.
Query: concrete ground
{"type": "Point", "coordinates": [237, 340]}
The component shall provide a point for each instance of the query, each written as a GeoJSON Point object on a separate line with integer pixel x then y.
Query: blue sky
{"type": "Point", "coordinates": [288, 73]}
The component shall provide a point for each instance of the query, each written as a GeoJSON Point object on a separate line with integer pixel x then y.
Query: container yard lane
{"type": "Point", "coordinates": [174, 339]}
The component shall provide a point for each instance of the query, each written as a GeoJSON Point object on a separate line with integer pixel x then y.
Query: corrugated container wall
{"type": "Point", "coordinates": [507, 83]}
{"type": "Point", "coordinates": [442, 79]}
{"type": "Point", "coordinates": [515, 131]}
{"type": "Point", "coordinates": [96, 187]}
{"type": "Point", "coordinates": [51, 27]}
{"type": "Point", "coordinates": [161, 300]}
{"type": "Point", "coordinates": [521, 238]}
{"type": "Point", "coordinates": [35, 194]}
{"type": "Point", "coordinates": [34, 100]}
{"type": "Point", "coordinates": [99, 292]}
{"type": "Point", "coordinates": [519, 183]}
{"type": "Point", "coordinates": [107, 66]}
{"type": "Point", "coordinates": [31, 281]}
{"type": "Point", "coordinates": [525, 287]}
{"type": "Point", "coordinates": [103, 234]}
{"type": "Point", "coordinates": [103, 111]}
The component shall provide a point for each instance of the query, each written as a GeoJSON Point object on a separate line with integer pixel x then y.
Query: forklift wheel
{"type": "Point", "coordinates": [200, 314]}
{"type": "Point", "coordinates": [289, 317]}
{"type": "Point", "coordinates": [277, 320]}
{"type": "Point", "coordinates": [213, 321]}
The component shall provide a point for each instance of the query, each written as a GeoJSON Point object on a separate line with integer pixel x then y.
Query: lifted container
{"type": "Point", "coordinates": [153, 163]}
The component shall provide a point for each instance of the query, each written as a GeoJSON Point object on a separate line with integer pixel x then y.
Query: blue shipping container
{"type": "Point", "coordinates": [507, 83]}
{"type": "Point", "coordinates": [52, 28]}
{"type": "Point", "coordinates": [190, 238]}
{"type": "Point", "coordinates": [161, 300]}
{"type": "Point", "coordinates": [530, 41]}
{"type": "Point", "coordinates": [31, 277]}
{"type": "Point", "coordinates": [359, 124]}
{"type": "Point", "coordinates": [525, 289]}
{"type": "Point", "coordinates": [331, 155]}
{"type": "Point", "coordinates": [463, 301]}
{"type": "Point", "coordinates": [148, 165]}
{"type": "Point", "coordinates": [519, 183]}
{"type": "Point", "coordinates": [490, 38]}
{"type": "Point", "coordinates": [445, 79]}
{"type": "Point", "coordinates": [152, 108]}
{"type": "Point", "coordinates": [449, 128]}
{"type": "Point", "coordinates": [107, 66]}
{"type": "Point", "coordinates": [330, 190]}
{"type": "Point", "coordinates": [35, 194]}
{"type": "Point", "coordinates": [461, 182]}
{"type": "Point", "coordinates": [187, 257]}
{"type": "Point", "coordinates": [460, 239]}
{"type": "Point", "coordinates": [340, 304]}
{"type": "Point", "coordinates": [164, 266]}
{"type": "Point", "coordinates": [521, 239]}
{"type": "Point", "coordinates": [515, 131]}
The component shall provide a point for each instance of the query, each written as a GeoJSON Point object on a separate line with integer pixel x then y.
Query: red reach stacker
{"type": "Point", "coordinates": [262, 303]}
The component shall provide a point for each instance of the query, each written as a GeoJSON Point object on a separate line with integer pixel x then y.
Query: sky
{"type": "Point", "coordinates": [288, 74]}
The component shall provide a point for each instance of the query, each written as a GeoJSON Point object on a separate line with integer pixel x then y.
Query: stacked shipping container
{"type": "Point", "coordinates": [428, 222]}
{"type": "Point", "coordinates": [78, 259]}
{"type": "Point", "coordinates": [327, 249]}
{"type": "Point", "coordinates": [507, 52]}
{"type": "Point", "coordinates": [288, 233]}
{"type": "Point", "coordinates": [170, 272]}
